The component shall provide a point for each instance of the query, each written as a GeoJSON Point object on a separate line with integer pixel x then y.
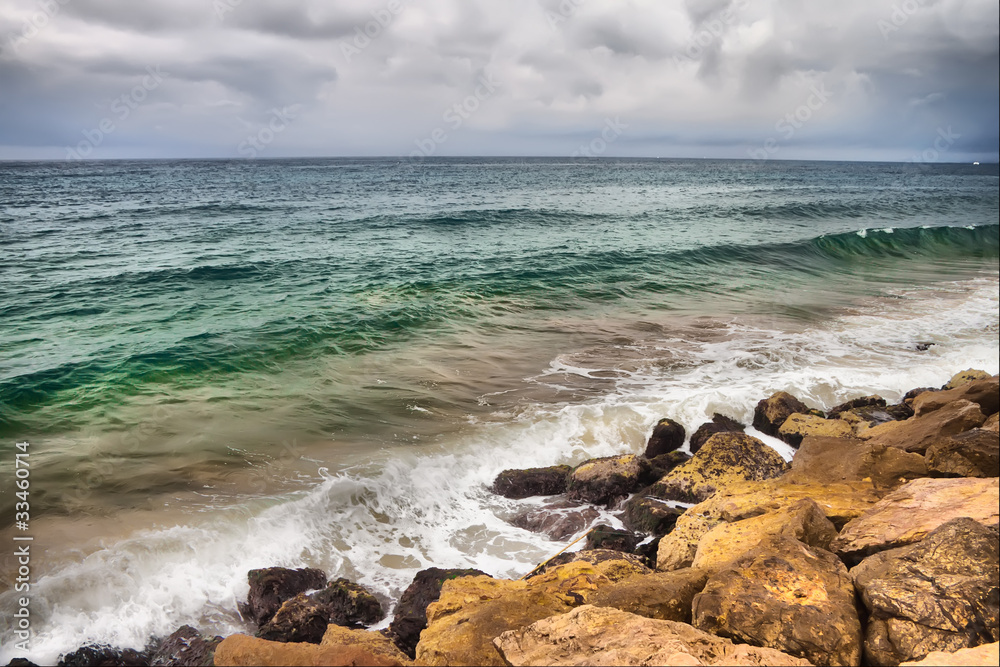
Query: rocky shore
{"type": "Point", "coordinates": [876, 545]}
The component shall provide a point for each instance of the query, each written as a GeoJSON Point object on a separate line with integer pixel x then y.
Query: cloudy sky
{"type": "Point", "coordinates": [852, 79]}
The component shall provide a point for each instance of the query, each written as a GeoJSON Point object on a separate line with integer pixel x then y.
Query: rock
{"type": "Point", "coordinates": [519, 484]}
{"type": "Point", "coordinates": [798, 426]}
{"type": "Point", "coordinates": [659, 466]}
{"type": "Point", "coordinates": [772, 412]}
{"type": "Point", "coordinates": [375, 643]}
{"type": "Point", "coordinates": [102, 655]}
{"type": "Point", "coordinates": [847, 460]}
{"type": "Point", "coordinates": [20, 662]}
{"type": "Point", "coordinates": [987, 655]}
{"type": "Point", "coordinates": [186, 647]}
{"type": "Point", "coordinates": [965, 377]}
{"type": "Point", "coordinates": [938, 595]}
{"type": "Point", "coordinates": [913, 393]}
{"type": "Point", "coordinates": [411, 613]}
{"type": "Point", "coordinates": [863, 402]}
{"type": "Point", "coordinates": [270, 587]}
{"type": "Point", "coordinates": [591, 635]}
{"type": "Point", "coordinates": [614, 565]}
{"type": "Point", "coordinates": [725, 459]}
{"type": "Point", "coordinates": [606, 537]}
{"type": "Point", "coordinates": [984, 393]}
{"type": "Point", "coordinates": [647, 551]}
{"type": "Point", "coordinates": [665, 596]}
{"type": "Point", "coordinates": [304, 618]}
{"type": "Point", "coordinates": [607, 480]}
{"type": "Point", "coordinates": [803, 521]}
{"type": "Point", "coordinates": [912, 511]}
{"type": "Point", "coordinates": [559, 520]}
{"type": "Point", "coordinates": [667, 436]}
{"type": "Point", "coordinates": [244, 651]}
{"type": "Point", "coordinates": [650, 515]}
{"type": "Point", "coordinates": [975, 453]}
{"type": "Point", "coordinates": [992, 423]}
{"type": "Point", "coordinates": [786, 596]}
{"type": "Point", "coordinates": [840, 501]}
{"type": "Point", "coordinates": [719, 424]}
{"type": "Point", "coordinates": [919, 433]}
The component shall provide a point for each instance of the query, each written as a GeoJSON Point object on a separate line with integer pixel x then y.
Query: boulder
{"type": "Point", "coordinates": [719, 424]}
{"type": "Point", "coordinates": [270, 587]}
{"type": "Point", "coordinates": [304, 618]}
{"type": "Point", "coordinates": [984, 393]}
{"type": "Point", "coordinates": [992, 423]}
{"type": "Point", "coordinates": [772, 412]}
{"type": "Point", "coordinates": [186, 647]}
{"type": "Point", "coordinates": [614, 565]}
{"type": "Point", "coordinates": [798, 426]}
{"type": "Point", "coordinates": [411, 613]}
{"type": "Point", "coordinates": [786, 596]}
{"type": "Point", "coordinates": [606, 537]}
{"type": "Point", "coordinates": [105, 656]}
{"type": "Point", "coordinates": [519, 484]}
{"type": "Point", "coordinates": [725, 459]}
{"type": "Point", "coordinates": [592, 635]}
{"type": "Point", "coordinates": [821, 460]}
{"type": "Point", "coordinates": [853, 404]}
{"type": "Point", "coordinates": [607, 480]}
{"type": "Point", "coordinates": [965, 377]}
{"type": "Point", "coordinates": [727, 542]}
{"type": "Point", "coordinates": [975, 453]}
{"type": "Point", "coordinates": [559, 520]}
{"type": "Point", "coordinates": [245, 651]}
{"type": "Point", "coordinates": [918, 433]}
{"type": "Point", "coordinates": [375, 643]}
{"type": "Point", "coordinates": [987, 655]}
{"type": "Point", "coordinates": [656, 468]}
{"type": "Point", "coordinates": [913, 393]}
{"type": "Point", "coordinates": [937, 595]}
{"type": "Point", "coordinates": [649, 515]}
{"type": "Point", "coordinates": [912, 511]}
{"type": "Point", "coordinates": [667, 436]}
{"type": "Point", "coordinates": [665, 596]}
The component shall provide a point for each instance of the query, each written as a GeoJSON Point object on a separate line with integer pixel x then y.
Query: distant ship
{"type": "Point", "coordinates": [975, 163]}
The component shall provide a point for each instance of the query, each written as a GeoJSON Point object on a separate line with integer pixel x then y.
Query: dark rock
{"type": "Point", "coordinates": [900, 411]}
{"type": "Point", "coordinates": [606, 537]}
{"type": "Point", "coordinates": [913, 393]}
{"type": "Point", "coordinates": [648, 551]}
{"type": "Point", "coordinates": [772, 412]}
{"type": "Point", "coordinates": [594, 557]}
{"type": "Point", "coordinates": [719, 424]}
{"type": "Point", "coordinates": [20, 662]}
{"type": "Point", "coordinates": [667, 436]}
{"type": "Point", "coordinates": [607, 480]}
{"type": "Point", "coordinates": [304, 618]}
{"type": "Point", "coordinates": [863, 402]}
{"type": "Point", "coordinates": [519, 484]}
{"type": "Point", "coordinates": [102, 655]}
{"type": "Point", "coordinates": [270, 587]}
{"type": "Point", "coordinates": [650, 515]}
{"type": "Point", "coordinates": [185, 648]}
{"type": "Point", "coordinates": [975, 453]}
{"type": "Point", "coordinates": [936, 595]}
{"type": "Point", "coordinates": [558, 520]}
{"type": "Point", "coordinates": [411, 612]}
{"type": "Point", "coordinates": [788, 596]}
{"type": "Point", "coordinates": [654, 469]}
{"type": "Point", "coordinates": [924, 346]}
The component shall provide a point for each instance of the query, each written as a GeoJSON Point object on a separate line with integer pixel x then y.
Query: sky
{"type": "Point", "coordinates": [896, 80]}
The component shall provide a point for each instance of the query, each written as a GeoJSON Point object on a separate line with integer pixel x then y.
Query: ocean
{"type": "Point", "coordinates": [224, 365]}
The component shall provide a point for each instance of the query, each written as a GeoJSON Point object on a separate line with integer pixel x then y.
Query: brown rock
{"type": "Point", "coordinates": [938, 595]}
{"type": "Point", "coordinates": [786, 596]}
{"type": "Point", "coordinates": [270, 587]}
{"type": "Point", "coordinates": [559, 520]}
{"type": "Point", "coordinates": [375, 643]}
{"type": "Point", "coordinates": [655, 468]}
{"type": "Point", "coordinates": [853, 404]}
{"type": "Point", "coordinates": [304, 618]}
{"type": "Point", "coordinates": [772, 412]}
{"type": "Point", "coordinates": [984, 393]}
{"type": "Point", "coordinates": [667, 436]}
{"type": "Point", "coordinates": [909, 513]}
{"type": "Point", "coordinates": [615, 565]}
{"type": "Point", "coordinates": [410, 617]}
{"type": "Point", "coordinates": [606, 537]}
{"type": "Point", "coordinates": [649, 515]}
{"type": "Point", "coordinates": [798, 426]}
{"type": "Point", "coordinates": [975, 453]}
{"type": "Point", "coordinates": [965, 377]}
{"type": "Point", "coordinates": [719, 424]}
{"type": "Point", "coordinates": [186, 647]}
{"type": "Point", "coordinates": [607, 480]}
{"type": "Point", "coordinates": [244, 651]}
{"type": "Point", "coordinates": [919, 433]}
{"type": "Point", "coordinates": [590, 635]}
{"type": "Point", "coordinates": [987, 655]}
{"type": "Point", "coordinates": [665, 596]}
{"type": "Point", "coordinates": [844, 460]}
{"type": "Point", "coordinates": [519, 484]}
{"type": "Point", "coordinates": [992, 423]}
{"type": "Point", "coordinates": [725, 459]}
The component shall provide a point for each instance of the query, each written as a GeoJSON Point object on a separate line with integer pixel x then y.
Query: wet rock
{"type": "Point", "coordinates": [719, 424]}
{"type": "Point", "coordinates": [965, 377]}
{"type": "Point", "coordinates": [102, 655]}
{"type": "Point", "coordinates": [975, 453]}
{"type": "Point", "coordinates": [938, 595]}
{"type": "Point", "coordinates": [798, 426]}
{"type": "Point", "coordinates": [20, 662]}
{"type": "Point", "coordinates": [645, 514]}
{"type": "Point", "coordinates": [656, 468]}
{"type": "Point", "coordinates": [786, 596]}
{"type": "Point", "coordinates": [923, 346]}
{"type": "Point", "coordinates": [846, 460]}
{"type": "Point", "coordinates": [304, 618]}
{"type": "Point", "coordinates": [411, 612]}
{"type": "Point", "coordinates": [919, 433]}
{"type": "Point", "coordinates": [614, 565]}
{"type": "Point", "coordinates": [772, 412]}
{"type": "Point", "coordinates": [667, 436]}
{"type": "Point", "coordinates": [725, 459]}
{"type": "Point", "coordinates": [912, 511]}
{"type": "Point", "coordinates": [665, 596]}
{"type": "Point", "coordinates": [855, 403]}
{"type": "Point", "coordinates": [984, 393]}
{"type": "Point", "coordinates": [270, 587]}
{"type": "Point", "coordinates": [186, 647]}
{"type": "Point", "coordinates": [559, 520]}
{"type": "Point", "coordinates": [606, 537]}
{"type": "Point", "coordinates": [245, 651]}
{"type": "Point", "coordinates": [647, 551]}
{"type": "Point", "coordinates": [987, 655]}
{"type": "Point", "coordinates": [519, 484]}
{"type": "Point", "coordinates": [592, 635]}
{"type": "Point", "coordinates": [607, 480]}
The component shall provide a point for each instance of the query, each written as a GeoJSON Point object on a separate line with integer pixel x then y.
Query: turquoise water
{"type": "Point", "coordinates": [200, 351]}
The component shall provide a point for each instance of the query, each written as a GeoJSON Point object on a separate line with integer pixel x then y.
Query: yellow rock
{"type": "Point", "coordinates": [245, 651]}
{"type": "Point", "coordinates": [987, 655]}
{"type": "Point", "coordinates": [374, 642]}
{"type": "Point", "coordinates": [798, 426]}
{"type": "Point", "coordinates": [965, 377]}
